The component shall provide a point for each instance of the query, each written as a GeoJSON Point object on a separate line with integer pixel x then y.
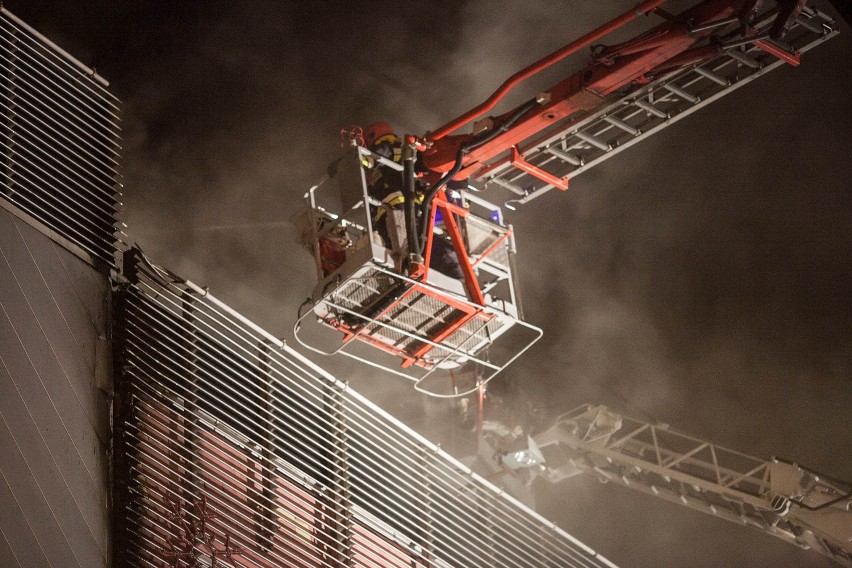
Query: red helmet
{"type": "Point", "coordinates": [375, 131]}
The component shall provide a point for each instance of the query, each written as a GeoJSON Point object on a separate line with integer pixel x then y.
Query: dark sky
{"type": "Point", "coordinates": [702, 278]}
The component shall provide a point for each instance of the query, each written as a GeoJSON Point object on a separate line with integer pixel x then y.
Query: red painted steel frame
{"type": "Point", "coordinates": [448, 330]}
{"type": "Point", "coordinates": [519, 162]}
{"type": "Point", "coordinates": [529, 71]}
{"type": "Point", "coordinates": [616, 67]}
{"type": "Point", "coordinates": [351, 333]}
{"type": "Point", "coordinates": [493, 247]}
{"type": "Point", "coordinates": [357, 333]}
{"type": "Point", "coordinates": [420, 272]}
{"type": "Point", "coordinates": [471, 283]}
{"type": "Point", "coordinates": [416, 357]}
{"type": "Point", "coordinates": [440, 201]}
{"type": "Point", "coordinates": [780, 53]}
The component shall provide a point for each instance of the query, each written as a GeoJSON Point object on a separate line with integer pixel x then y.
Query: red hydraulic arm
{"type": "Point", "coordinates": [640, 10]}
{"type": "Point", "coordinates": [460, 328]}
{"type": "Point", "coordinates": [677, 42]}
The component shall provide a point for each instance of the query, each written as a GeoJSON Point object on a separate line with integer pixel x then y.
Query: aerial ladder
{"type": "Point", "coordinates": [778, 497]}
{"type": "Point", "coordinates": [410, 319]}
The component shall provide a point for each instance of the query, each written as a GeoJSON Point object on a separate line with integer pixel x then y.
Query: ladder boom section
{"type": "Point", "coordinates": [630, 91]}
{"type": "Point", "coordinates": [779, 497]}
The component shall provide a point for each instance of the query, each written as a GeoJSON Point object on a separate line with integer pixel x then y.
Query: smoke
{"type": "Point", "coordinates": [701, 278]}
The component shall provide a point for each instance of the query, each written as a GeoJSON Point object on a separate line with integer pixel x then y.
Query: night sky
{"type": "Point", "coordinates": [702, 278]}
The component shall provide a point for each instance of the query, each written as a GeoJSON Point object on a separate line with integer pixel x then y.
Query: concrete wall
{"type": "Point", "coordinates": [55, 370]}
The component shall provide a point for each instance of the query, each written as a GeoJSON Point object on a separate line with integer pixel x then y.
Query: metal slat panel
{"type": "Point", "coordinates": [16, 528]}
{"type": "Point", "coordinates": [58, 142]}
{"type": "Point", "coordinates": [26, 335]}
{"type": "Point", "coordinates": [7, 555]}
{"type": "Point", "coordinates": [398, 489]}
{"type": "Point", "coordinates": [39, 509]}
{"type": "Point", "coordinates": [53, 311]}
{"type": "Point", "coordinates": [34, 83]}
{"type": "Point", "coordinates": [40, 442]}
{"type": "Point", "coordinates": [217, 411]}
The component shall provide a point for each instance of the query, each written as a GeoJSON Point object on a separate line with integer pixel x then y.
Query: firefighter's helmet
{"type": "Point", "coordinates": [378, 132]}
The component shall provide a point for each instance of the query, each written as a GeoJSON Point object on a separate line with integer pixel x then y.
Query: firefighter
{"type": "Point", "coordinates": [385, 184]}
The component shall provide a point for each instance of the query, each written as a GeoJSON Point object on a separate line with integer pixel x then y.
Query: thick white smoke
{"type": "Point", "coordinates": [701, 278]}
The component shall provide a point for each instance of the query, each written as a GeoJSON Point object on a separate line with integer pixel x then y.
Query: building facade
{"type": "Point", "coordinates": [58, 208]}
{"type": "Point", "coordinates": [145, 423]}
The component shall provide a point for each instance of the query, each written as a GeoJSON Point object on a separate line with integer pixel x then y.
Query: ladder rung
{"type": "Point", "coordinates": [674, 89]}
{"type": "Point", "coordinates": [597, 142]}
{"type": "Point", "coordinates": [822, 15]}
{"type": "Point", "coordinates": [809, 25]}
{"type": "Point", "coordinates": [565, 156]}
{"type": "Point", "coordinates": [623, 125]}
{"type": "Point", "coordinates": [712, 76]}
{"type": "Point", "coordinates": [506, 185]}
{"type": "Point", "coordinates": [717, 24]}
{"type": "Point", "coordinates": [743, 58]}
{"type": "Point", "coordinates": [651, 109]}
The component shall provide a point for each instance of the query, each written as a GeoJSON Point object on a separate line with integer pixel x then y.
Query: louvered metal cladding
{"type": "Point", "coordinates": [288, 465]}
{"type": "Point", "coordinates": [58, 141]}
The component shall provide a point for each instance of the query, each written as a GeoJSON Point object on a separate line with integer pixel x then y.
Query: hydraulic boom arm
{"type": "Point", "coordinates": [776, 496]}
{"type": "Point", "coordinates": [725, 42]}
{"type": "Point", "coordinates": [410, 276]}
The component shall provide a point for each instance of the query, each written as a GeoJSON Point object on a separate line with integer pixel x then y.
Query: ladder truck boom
{"type": "Point", "coordinates": [629, 91]}
{"type": "Point", "coordinates": [379, 283]}
{"type": "Point", "coordinates": [781, 498]}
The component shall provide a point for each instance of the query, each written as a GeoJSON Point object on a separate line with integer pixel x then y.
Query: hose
{"type": "Point", "coordinates": [464, 149]}
{"type": "Point", "coordinates": [410, 204]}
